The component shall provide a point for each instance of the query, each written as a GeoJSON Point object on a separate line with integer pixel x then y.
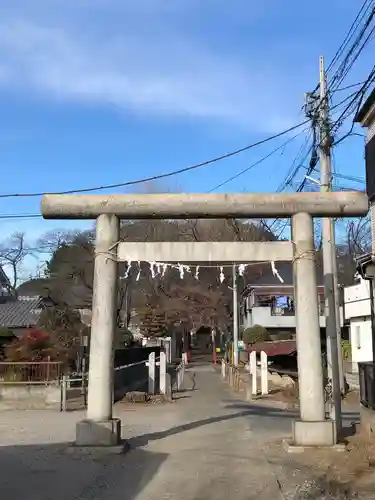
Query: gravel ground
{"type": "Point", "coordinates": [206, 445]}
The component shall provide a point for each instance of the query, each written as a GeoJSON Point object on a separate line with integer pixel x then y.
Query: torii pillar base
{"type": "Point", "coordinates": [102, 437]}
{"type": "Point", "coordinates": [317, 434]}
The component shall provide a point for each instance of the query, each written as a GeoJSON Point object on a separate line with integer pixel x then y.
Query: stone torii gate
{"type": "Point", "coordinates": [100, 428]}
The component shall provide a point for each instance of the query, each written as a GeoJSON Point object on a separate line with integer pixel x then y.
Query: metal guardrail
{"type": "Point", "coordinates": [135, 378]}
{"type": "Point", "coordinates": [367, 384]}
{"type": "Point", "coordinates": [232, 374]}
{"type": "Point", "coordinates": [37, 372]}
{"type": "Point", "coordinates": [117, 368]}
{"type": "Point", "coordinates": [78, 383]}
{"type": "Point", "coordinates": [177, 380]}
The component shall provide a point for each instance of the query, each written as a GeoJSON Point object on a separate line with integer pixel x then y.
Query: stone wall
{"type": "Point", "coordinates": [29, 396]}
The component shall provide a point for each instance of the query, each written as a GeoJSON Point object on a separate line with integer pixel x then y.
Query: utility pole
{"type": "Point", "coordinates": [329, 255]}
{"type": "Point", "coordinates": [338, 314]}
{"type": "Point", "coordinates": [235, 317]}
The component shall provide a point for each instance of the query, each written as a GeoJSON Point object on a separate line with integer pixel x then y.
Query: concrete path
{"type": "Point", "coordinates": [206, 445]}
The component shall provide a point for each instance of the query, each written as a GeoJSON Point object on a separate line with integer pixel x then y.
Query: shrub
{"type": "Point", "coordinates": [5, 332]}
{"type": "Point", "coordinates": [33, 345]}
{"type": "Point", "coordinates": [284, 336]}
{"type": "Point", "coordinates": [255, 333]}
{"type": "Point", "coordinates": [346, 349]}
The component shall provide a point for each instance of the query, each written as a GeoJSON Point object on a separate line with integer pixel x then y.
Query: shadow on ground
{"type": "Point", "coordinates": [248, 410]}
{"type": "Point", "coordinates": [267, 417]}
{"type": "Point", "coordinates": [48, 472]}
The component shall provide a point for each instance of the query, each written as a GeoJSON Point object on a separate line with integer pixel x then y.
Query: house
{"type": "Point", "coordinates": [20, 314]}
{"type": "Point", "coordinates": [77, 296]}
{"type": "Point", "coordinates": [366, 117]}
{"type": "Point", "coordinates": [269, 300]}
{"type": "Point", "coordinates": [357, 310]}
{"type": "Point", "coordinates": [17, 315]}
{"type": "Point", "coordinates": [5, 286]}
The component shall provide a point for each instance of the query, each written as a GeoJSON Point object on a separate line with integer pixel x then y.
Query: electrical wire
{"type": "Point", "coordinates": [247, 169]}
{"type": "Point", "coordinates": [351, 178]}
{"type": "Point", "coordinates": [347, 87]}
{"type": "Point", "coordinates": [292, 172]}
{"type": "Point", "coordinates": [274, 151]}
{"type": "Point", "coordinates": [348, 36]}
{"type": "Point", "coordinates": [160, 176]}
{"type": "Point", "coordinates": [347, 63]}
{"type": "Point", "coordinates": [20, 216]}
{"type": "Point", "coordinates": [337, 79]}
{"type": "Point", "coordinates": [349, 66]}
{"type": "Point", "coordinates": [354, 105]}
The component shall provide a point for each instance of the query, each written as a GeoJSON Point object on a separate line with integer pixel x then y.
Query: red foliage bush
{"type": "Point", "coordinates": [33, 345]}
{"type": "Point", "coordinates": [34, 335]}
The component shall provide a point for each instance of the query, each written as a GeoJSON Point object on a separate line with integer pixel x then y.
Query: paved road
{"type": "Point", "coordinates": [207, 445]}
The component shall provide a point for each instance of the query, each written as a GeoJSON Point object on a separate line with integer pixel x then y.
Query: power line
{"type": "Point", "coordinates": [160, 176]}
{"type": "Point", "coordinates": [20, 216]}
{"type": "Point", "coordinates": [294, 168]}
{"type": "Point", "coordinates": [297, 163]}
{"type": "Point", "coordinates": [348, 36]}
{"type": "Point", "coordinates": [228, 155]}
{"type": "Point", "coordinates": [351, 178]}
{"type": "Point", "coordinates": [347, 87]}
{"type": "Point", "coordinates": [346, 64]}
{"type": "Point", "coordinates": [354, 104]}
{"type": "Point", "coordinates": [247, 169]}
{"type": "Point", "coordinates": [31, 216]}
{"type": "Point", "coordinates": [288, 182]}
{"type": "Point", "coordinates": [352, 29]}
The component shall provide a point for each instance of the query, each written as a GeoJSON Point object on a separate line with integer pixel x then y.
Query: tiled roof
{"type": "Point", "coordinates": [76, 296]}
{"type": "Point", "coordinates": [3, 278]}
{"type": "Point", "coordinates": [21, 312]}
{"type": "Point", "coordinates": [368, 104]}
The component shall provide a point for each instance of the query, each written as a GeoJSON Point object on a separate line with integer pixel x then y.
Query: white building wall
{"type": "Point", "coordinates": [264, 317]}
{"type": "Point", "coordinates": [358, 312]}
{"type": "Point", "coordinates": [357, 300]}
{"type": "Point", "coordinates": [360, 340]}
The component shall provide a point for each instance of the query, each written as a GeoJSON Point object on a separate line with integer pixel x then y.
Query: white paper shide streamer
{"type": "Point", "coordinates": [242, 269]}
{"type": "Point", "coordinates": [160, 269]}
{"type": "Point", "coordinates": [275, 272]}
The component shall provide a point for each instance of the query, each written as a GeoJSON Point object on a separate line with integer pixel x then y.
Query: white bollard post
{"type": "Point", "coordinates": [253, 371]}
{"type": "Point", "coordinates": [264, 372]}
{"type": "Point", "coordinates": [163, 373]}
{"type": "Point", "coordinates": [182, 373]}
{"type": "Point", "coordinates": [64, 387]}
{"type": "Point", "coordinates": [151, 373]}
{"type": "Point", "coordinates": [223, 368]}
{"type": "Point", "coordinates": [169, 349]}
{"type": "Point", "coordinates": [184, 358]}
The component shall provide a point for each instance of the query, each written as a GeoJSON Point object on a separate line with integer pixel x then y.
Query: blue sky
{"type": "Point", "coordinates": [96, 92]}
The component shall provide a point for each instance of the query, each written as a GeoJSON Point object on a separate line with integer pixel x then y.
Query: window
{"type": "Point", "coordinates": [357, 334]}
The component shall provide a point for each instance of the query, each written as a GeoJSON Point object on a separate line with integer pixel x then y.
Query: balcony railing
{"type": "Point", "coordinates": [290, 311]}
{"type": "Point", "coordinates": [367, 384]}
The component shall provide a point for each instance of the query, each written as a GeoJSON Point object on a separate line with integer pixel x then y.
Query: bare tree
{"type": "Point", "coordinates": [354, 240]}
{"type": "Point", "coordinates": [69, 272]}
{"type": "Point", "coordinates": [358, 236]}
{"type": "Point", "coordinates": [12, 256]}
